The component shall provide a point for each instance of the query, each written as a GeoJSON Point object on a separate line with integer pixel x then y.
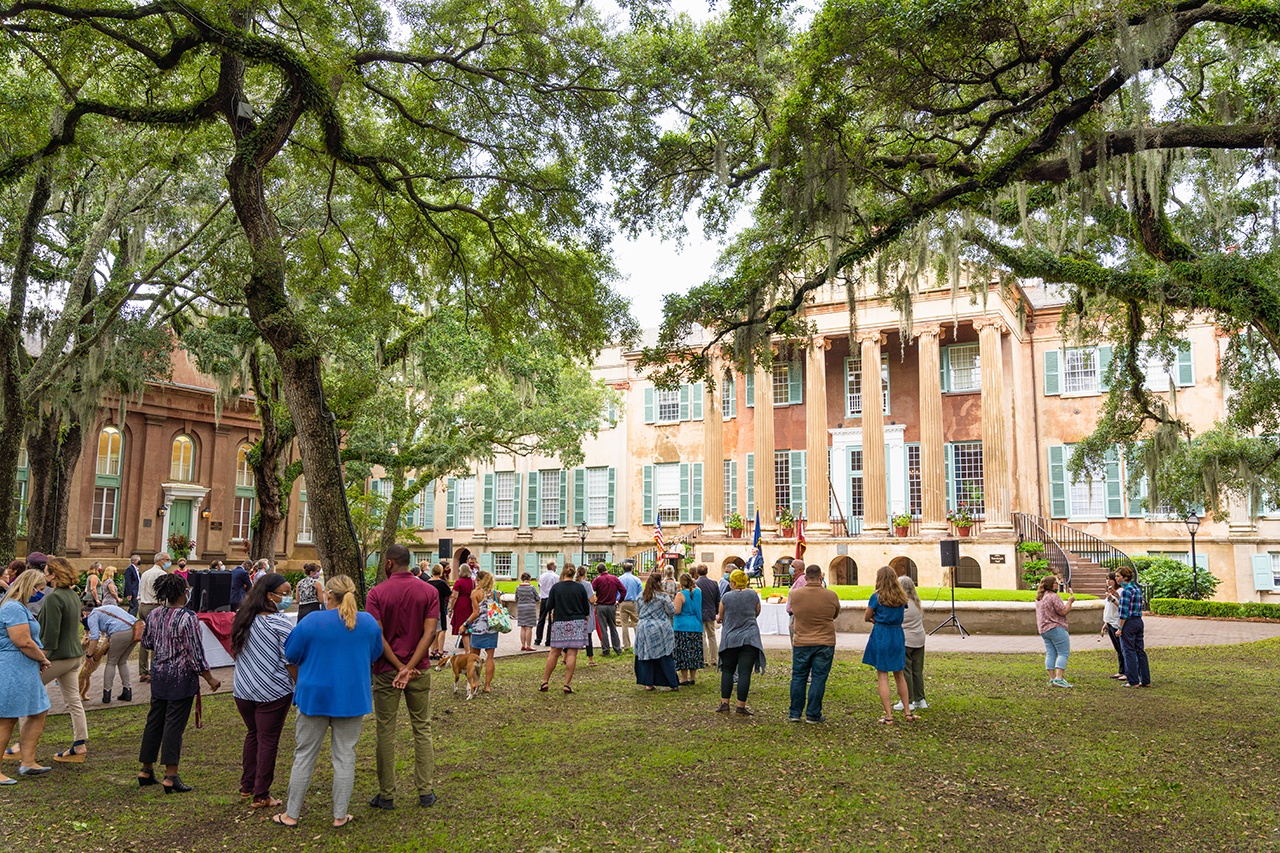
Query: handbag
{"type": "Point", "coordinates": [139, 626]}
{"type": "Point", "coordinates": [498, 618]}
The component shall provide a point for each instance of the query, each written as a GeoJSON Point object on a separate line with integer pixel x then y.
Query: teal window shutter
{"type": "Point", "coordinates": [944, 364]}
{"type": "Point", "coordinates": [531, 565]}
{"type": "Point", "coordinates": [515, 500]}
{"type": "Point", "coordinates": [1264, 577]}
{"type": "Point", "coordinates": [686, 511]}
{"type": "Point", "coordinates": [795, 383]}
{"type": "Point", "coordinates": [798, 473]}
{"type": "Point", "coordinates": [1137, 491]}
{"type": "Point", "coordinates": [579, 496]}
{"type": "Point", "coordinates": [751, 487]}
{"type": "Point", "coordinates": [697, 396]}
{"type": "Point", "coordinates": [695, 493]}
{"type": "Point", "coordinates": [684, 402]}
{"type": "Point", "coordinates": [948, 464]}
{"type": "Point", "coordinates": [1202, 562]}
{"type": "Point", "coordinates": [1115, 495]}
{"type": "Point", "coordinates": [451, 503]}
{"type": "Point", "coordinates": [486, 563]}
{"type": "Point", "coordinates": [534, 510]}
{"type": "Point", "coordinates": [1186, 373]}
{"type": "Point", "coordinates": [613, 492]}
{"type": "Point", "coordinates": [429, 505]}
{"type": "Point", "coordinates": [1104, 368]}
{"type": "Point", "coordinates": [647, 517]}
{"type": "Point", "coordinates": [1052, 373]}
{"type": "Point", "coordinates": [564, 498]}
{"type": "Point", "coordinates": [649, 413]}
{"type": "Point", "coordinates": [751, 389]}
{"type": "Point", "coordinates": [1058, 507]}
{"type": "Point", "coordinates": [487, 519]}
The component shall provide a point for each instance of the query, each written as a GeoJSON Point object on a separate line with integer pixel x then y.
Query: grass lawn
{"type": "Point", "coordinates": [1001, 762]}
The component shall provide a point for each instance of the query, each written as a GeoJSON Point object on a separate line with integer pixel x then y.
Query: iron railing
{"type": "Point", "coordinates": [1061, 539]}
{"type": "Point", "coordinates": [851, 526]}
{"type": "Point", "coordinates": [648, 558]}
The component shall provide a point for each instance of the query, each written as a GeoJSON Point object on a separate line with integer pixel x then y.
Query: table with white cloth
{"type": "Point", "coordinates": [774, 619]}
{"type": "Point", "coordinates": [214, 652]}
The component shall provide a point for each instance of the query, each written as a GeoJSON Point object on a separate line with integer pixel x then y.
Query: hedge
{"type": "Point", "coordinates": [1216, 609]}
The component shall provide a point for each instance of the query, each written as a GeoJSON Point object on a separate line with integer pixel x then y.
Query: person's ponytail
{"type": "Point", "coordinates": [341, 588]}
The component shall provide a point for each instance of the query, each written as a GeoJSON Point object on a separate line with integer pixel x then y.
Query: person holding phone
{"type": "Point", "coordinates": [1051, 622]}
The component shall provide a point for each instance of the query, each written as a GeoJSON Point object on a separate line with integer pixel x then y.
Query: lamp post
{"type": "Point", "coordinates": [1193, 524]}
{"type": "Point", "coordinates": [583, 530]}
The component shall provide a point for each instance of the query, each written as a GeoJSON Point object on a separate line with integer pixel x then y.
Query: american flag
{"type": "Point", "coordinates": [657, 537]}
{"type": "Point", "coordinates": [801, 546]}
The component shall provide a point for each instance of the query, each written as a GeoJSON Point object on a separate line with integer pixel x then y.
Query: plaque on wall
{"type": "Point", "coordinates": [146, 522]}
{"type": "Point", "coordinates": [997, 558]}
{"type": "Point", "coordinates": [215, 525]}
{"type": "Point", "coordinates": [842, 550]}
{"type": "Point", "coordinates": [707, 557]}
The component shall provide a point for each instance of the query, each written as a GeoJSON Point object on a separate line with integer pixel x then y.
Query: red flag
{"type": "Point", "coordinates": [800, 543]}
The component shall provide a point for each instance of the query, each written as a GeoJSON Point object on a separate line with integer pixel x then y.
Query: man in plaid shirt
{"type": "Point", "coordinates": [1132, 641]}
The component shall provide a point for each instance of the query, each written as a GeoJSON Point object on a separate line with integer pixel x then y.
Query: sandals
{"type": "Point", "coordinates": [269, 802]}
{"type": "Point", "coordinates": [347, 820]}
{"type": "Point", "coordinates": [567, 689]}
{"type": "Point", "coordinates": [70, 756]}
{"type": "Point", "coordinates": [12, 751]}
{"type": "Point", "coordinates": [886, 721]}
{"type": "Point", "coordinates": [148, 777]}
{"type": "Point", "coordinates": [278, 820]}
{"type": "Point", "coordinates": [546, 685]}
{"type": "Point", "coordinates": [910, 717]}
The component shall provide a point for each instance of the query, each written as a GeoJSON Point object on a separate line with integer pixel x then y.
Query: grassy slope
{"type": "Point", "coordinates": [1001, 763]}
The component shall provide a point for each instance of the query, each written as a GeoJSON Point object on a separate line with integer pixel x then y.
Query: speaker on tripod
{"type": "Point", "coordinates": [446, 549]}
{"type": "Point", "coordinates": [950, 554]}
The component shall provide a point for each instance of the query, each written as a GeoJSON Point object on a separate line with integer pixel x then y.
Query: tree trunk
{"type": "Point", "coordinates": [53, 454]}
{"type": "Point", "coordinates": [13, 409]}
{"type": "Point", "coordinates": [268, 467]}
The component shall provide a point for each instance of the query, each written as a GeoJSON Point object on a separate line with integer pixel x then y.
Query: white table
{"type": "Point", "coordinates": [774, 619]}
{"type": "Point", "coordinates": [215, 654]}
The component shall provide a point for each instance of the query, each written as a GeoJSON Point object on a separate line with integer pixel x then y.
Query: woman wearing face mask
{"type": "Point", "coordinates": [263, 688]}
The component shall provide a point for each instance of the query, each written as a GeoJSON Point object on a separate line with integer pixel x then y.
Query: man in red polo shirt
{"type": "Point", "coordinates": [408, 611]}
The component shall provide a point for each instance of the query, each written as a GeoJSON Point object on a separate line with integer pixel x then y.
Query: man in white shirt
{"type": "Point", "coordinates": [146, 603]}
{"type": "Point", "coordinates": [546, 580]}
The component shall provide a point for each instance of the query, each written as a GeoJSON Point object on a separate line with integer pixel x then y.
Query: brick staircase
{"type": "Point", "coordinates": [1081, 558]}
{"type": "Point", "coordinates": [1087, 576]}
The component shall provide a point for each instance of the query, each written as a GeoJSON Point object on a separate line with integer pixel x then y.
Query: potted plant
{"type": "Point", "coordinates": [735, 525]}
{"type": "Point", "coordinates": [902, 524]}
{"type": "Point", "coordinates": [179, 545]}
{"type": "Point", "coordinates": [961, 519]}
{"type": "Point", "coordinates": [786, 523]}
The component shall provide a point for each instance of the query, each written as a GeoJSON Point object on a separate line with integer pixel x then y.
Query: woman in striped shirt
{"type": "Point", "coordinates": [263, 689]}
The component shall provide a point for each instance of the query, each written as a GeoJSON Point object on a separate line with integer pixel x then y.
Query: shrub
{"type": "Point", "coordinates": [1034, 570]}
{"type": "Point", "coordinates": [1215, 609]}
{"type": "Point", "coordinates": [1256, 610]}
{"type": "Point", "coordinates": [1030, 546]}
{"type": "Point", "coordinates": [1164, 577]}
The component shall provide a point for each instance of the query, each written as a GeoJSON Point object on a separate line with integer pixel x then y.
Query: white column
{"type": "Point", "coordinates": [817, 478]}
{"type": "Point", "coordinates": [875, 504]}
{"type": "Point", "coordinates": [762, 447]}
{"type": "Point", "coordinates": [932, 449]}
{"type": "Point", "coordinates": [997, 486]}
{"type": "Point", "coordinates": [713, 454]}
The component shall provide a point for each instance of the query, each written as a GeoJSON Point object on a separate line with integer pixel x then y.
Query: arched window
{"type": "Point", "coordinates": [106, 483]}
{"type": "Point", "coordinates": [242, 516]}
{"type": "Point", "coordinates": [182, 461]}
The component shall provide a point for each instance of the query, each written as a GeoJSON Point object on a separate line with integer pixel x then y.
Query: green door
{"type": "Point", "coordinates": [180, 518]}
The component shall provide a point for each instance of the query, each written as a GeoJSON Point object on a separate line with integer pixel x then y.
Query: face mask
{"type": "Point", "coordinates": [168, 564]}
{"type": "Point", "coordinates": [285, 603]}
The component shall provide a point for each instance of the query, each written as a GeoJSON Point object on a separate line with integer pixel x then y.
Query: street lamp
{"type": "Point", "coordinates": [583, 530]}
{"type": "Point", "coordinates": [1193, 524]}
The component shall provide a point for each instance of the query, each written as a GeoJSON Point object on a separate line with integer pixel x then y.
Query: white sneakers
{"type": "Point", "coordinates": [915, 706]}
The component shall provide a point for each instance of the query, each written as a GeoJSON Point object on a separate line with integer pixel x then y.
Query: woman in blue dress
{"type": "Point", "coordinates": [21, 659]}
{"type": "Point", "coordinates": [886, 647]}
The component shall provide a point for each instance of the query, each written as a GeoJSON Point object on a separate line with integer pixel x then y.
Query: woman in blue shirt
{"type": "Point", "coordinates": [886, 647]}
{"type": "Point", "coordinates": [688, 628]}
{"type": "Point", "coordinates": [330, 657]}
{"type": "Point", "coordinates": [21, 660]}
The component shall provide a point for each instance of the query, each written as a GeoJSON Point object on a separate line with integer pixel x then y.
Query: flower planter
{"type": "Point", "coordinates": [735, 534]}
{"type": "Point", "coordinates": [963, 532]}
{"type": "Point", "coordinates": [787, 532]}
{"type": "Point", "coordinates": [901, 532]}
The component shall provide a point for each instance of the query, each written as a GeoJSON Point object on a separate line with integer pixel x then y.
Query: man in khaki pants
{"type": "Point", "coordinates": [408, 612]}
{"type": "Point", "coordinates": [628, 618]}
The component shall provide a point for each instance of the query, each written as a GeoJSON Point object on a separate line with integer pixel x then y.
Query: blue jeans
{"type": "Point", "coordinates": [1132, 639]}
{"type": "Point", "coordinates": [809, 661]}
{"type": "Point", "coordinates": [1057, 648]}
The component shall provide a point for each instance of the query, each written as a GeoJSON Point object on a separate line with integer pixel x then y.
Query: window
{"type": "Point", "coordinates": [241, 518]}
{"type": "Point", "coordinates": [305, 536]}
{"type": "Point", "coordinates": [1157, 371]}
{"type": "Point", "coordinates": [1181, 556]}
{"type": "Point", "coordinates": [1275, 566]}
{"type": "Point", "coordinates": [730, 487]}
{"type": "Point", "coordinates": [504, 492]}
{"type": "Point", "coordinates": [666, 486]}
{"type": "Point", "coordinates": [1080, 375]}
{"type": "Point", "coordinates": [915, 493]}
{"type": "Point", "coordinates": [549, 490]}
{"type": "Point", "coordinates": [20, 493]}
{"type": "Point", "coordinates": [466, 503]}
{"type": "Point", "coordinates": [964, 368]}
{"type": "Point", "coordinates": [782, 479]}
{"type": "Point", "coordinates": [106, 485]}
{"type": "Point", "coordinates": [966, 477]}
{"type": "Point", "coordinates": [425, 509]}
{"type": "Point", "coordinates": [242, 508]}
{"type": "Point", "coordinates": [245, 478]}
{"type": "Point", "coordinates": [853, 385]}
{"type": "Point", "coordinates": [504, 565]}
{"type": "Point", "coordinates": [668, 405]}
{"type": "Point", "coordinates": [728, 397]}
{"type": "Point", "coordinates": [856, 503]}
{"type": "Point", "coordinates": [597, 497]}
{"type": "Point", "coordinates": [1089, 497]}
{"type": "Point", "coordinates": [594, 557]}
{"type": "Point", "coordinates": [782, 384]}
{"type": "Point", "coordinates": [182, 461]}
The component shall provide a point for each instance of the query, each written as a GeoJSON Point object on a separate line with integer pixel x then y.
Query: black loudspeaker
{"type": "Point", "coordinates": [211, 591]}
{"type": "Point", "coordinates": [446, 549]}
{"type": "Point", "coordinates": [950, 551]}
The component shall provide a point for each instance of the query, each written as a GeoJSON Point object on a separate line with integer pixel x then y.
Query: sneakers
{"type": "Point", "coordinates": [897, 706]}
{"type": "Point", "coordinates": [427, 800]}
{"type": "Point", "coordinates": [1059, 682]}
{"type": "Point", "coordinates": [381, 802]}
{"type": "Point", "coordinates": [816, 720]}
{"type": "Point", "coordinates": [919, 706]}
{"type": "Point", "coordinates": [793, 719]}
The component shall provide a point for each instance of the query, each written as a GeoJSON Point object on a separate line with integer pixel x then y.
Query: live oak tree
{"type": "Point", "coordinates": [1124, 152]}
{"type": "Point", "coordinates": [476, 131]}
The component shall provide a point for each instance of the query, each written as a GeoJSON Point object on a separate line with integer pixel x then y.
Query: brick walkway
{"type": "Point", "coordinates": [1162, 632]}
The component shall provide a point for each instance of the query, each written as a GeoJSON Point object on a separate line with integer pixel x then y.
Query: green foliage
{"type": "Point", "coordinates": [1168, 578]}
{"type": "Point", "coordinates": [1030, 546]}
{"type": "Point", "coordinates": [734, 521]}
{"type": "Point", "coordinates": [1214, 609]}
{"type": "Point", "coordinates": [1033, 570]}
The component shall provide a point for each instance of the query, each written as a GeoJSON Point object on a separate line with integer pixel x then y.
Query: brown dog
{"type": "Point", "coordinates": [90, 665]}
{"type": "Point", "coordinates": [463, 662]}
